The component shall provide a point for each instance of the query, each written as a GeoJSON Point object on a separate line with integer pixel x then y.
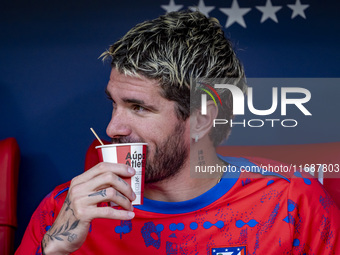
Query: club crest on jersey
{"type": "Point", "coordinates": [234, 250]}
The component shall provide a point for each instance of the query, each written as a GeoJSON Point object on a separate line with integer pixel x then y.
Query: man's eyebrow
{"type": "Point", "coordinates": [140, 102]}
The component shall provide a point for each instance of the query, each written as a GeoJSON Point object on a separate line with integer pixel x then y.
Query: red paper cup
{"type": "Point", "coordinates": [132, 154]}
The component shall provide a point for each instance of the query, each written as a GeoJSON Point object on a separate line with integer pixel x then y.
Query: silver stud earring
{"type": "Point", "coordinates": [196, 138]}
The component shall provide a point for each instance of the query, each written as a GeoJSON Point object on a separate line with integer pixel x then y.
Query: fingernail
{"type": "Point", "coordinates": [131, 170]}
{"type": "Point", "coordinates": [131, 215]}
{"type": "Point", "coordinates": [134, 195]}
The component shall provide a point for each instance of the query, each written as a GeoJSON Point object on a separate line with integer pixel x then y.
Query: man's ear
{"type": "Point", "coordinates": [200, 125]}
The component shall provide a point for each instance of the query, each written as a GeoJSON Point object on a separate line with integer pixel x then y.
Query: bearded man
{"type": "Point", "coordinates": [155, 69]}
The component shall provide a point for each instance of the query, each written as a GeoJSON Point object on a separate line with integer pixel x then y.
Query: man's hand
{"type": "Point", "coordinates": [102, 183]}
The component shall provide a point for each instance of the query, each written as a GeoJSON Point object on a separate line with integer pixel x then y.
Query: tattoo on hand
{"type": "Point", "coordinates": [64, 230]}
{"type": "Point", "coordinates": [121, 180]}
{"type": "Point", "coordinates": [99, 193]}
{"type": "Point", "coordinates": [68, 205]}
{"type": "Point", "coordinates": [118, 194]}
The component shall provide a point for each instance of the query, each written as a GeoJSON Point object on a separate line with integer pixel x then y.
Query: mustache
{"type": "Point", "coordinates": [126, 139]}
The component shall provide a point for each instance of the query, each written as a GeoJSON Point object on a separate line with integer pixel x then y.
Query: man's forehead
{"type": "Point", "coordinates": [128, 85]}
{"type": "Point", "coordinates": [132, 78]}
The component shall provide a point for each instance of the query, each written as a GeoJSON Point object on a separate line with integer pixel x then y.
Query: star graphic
{"type": "Point", "coordinates": [172, 7]}
{"type": "Point", "coordinates": [298, 9]}
{"type": "Point", "coordinates": [235, 14]}
{"type": "Point", "coordinates": [202, 8]}
{"type": "Point", "coordinates": [268, 11]}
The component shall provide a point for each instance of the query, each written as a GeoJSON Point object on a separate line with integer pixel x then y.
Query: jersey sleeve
{"type": "Point", "coordinates": [313, 216]}
{"type": "Point", "coordinates": [41, 220]}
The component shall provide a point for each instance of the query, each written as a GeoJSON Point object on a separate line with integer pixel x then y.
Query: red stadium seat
{"type": "Point", "coordinates": [9, 168]}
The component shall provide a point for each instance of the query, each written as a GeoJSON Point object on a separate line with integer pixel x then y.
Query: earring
{"type": "Point", "coordinates": [196, 138]}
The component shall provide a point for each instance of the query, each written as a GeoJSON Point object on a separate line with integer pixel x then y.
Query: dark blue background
{"type": "Point", "coordinates": [52, 82]}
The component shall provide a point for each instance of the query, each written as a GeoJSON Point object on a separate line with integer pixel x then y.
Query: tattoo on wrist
{"type": "Point", "coordinates": [64, 231]}
{"type": "Point", "coordinates": [99, 193]}
{"type": "Point", "coordinates": [43, 245]}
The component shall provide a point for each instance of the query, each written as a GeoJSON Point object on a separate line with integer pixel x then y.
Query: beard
{"type": "Point", "coordinates": [169, 156]}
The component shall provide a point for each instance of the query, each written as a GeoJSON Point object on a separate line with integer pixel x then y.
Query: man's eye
{"type": "Point", "coordinates": [138, 108]}
{"type": "Point", "coordinates": [109, 97]}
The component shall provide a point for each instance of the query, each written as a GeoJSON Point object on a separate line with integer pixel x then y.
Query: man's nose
{"type": "Point", "coordinates": [119, 125]}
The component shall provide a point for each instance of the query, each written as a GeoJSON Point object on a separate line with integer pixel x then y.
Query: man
{"type": "Point", "coordinates": [154, 68]}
